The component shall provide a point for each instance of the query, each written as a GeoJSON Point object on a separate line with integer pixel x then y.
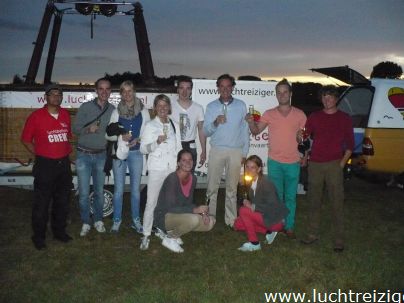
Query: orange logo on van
{"type": "Point", "coordinates": [396, 97]}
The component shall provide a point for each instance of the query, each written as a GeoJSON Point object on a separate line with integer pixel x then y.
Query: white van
{"type": "Point", "coordinates": [377, 110]}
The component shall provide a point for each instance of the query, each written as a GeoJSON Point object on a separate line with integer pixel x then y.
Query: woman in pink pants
{"type": "Point", "coordinates": [262, 213]}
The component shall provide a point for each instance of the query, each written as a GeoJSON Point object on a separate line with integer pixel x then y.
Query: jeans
{"type": "Point", "coordinates": [135, 164]}
{"type": "Point", "coordinates": [285, 177]}
{"type": "Point", "coordinates": [88, 165]}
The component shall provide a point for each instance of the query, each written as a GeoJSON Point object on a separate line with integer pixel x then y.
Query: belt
{"type": "Point", "coordinates": [90, 151]}
{"type": "Point", "coordinates": [66, 158]}
{"type": "Point", "coordinates": [188, 142]}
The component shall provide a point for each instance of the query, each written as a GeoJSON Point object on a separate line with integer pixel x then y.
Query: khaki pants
{"type": "Point", "coordinates": [230, 160]}
{"type": "Point", "coordinates": [180, 224]}
{"type": "Point", "coordinates": [330, 176]}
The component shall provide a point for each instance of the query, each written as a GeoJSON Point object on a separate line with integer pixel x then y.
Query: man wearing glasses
{"type": "Point", "coordinates": [46, 135]}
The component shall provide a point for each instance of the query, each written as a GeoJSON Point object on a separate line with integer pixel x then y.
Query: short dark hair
{"type": "Point", "coordinates": [331, 90]}
{"type": "Point", "coordinates": [285, 82]}
{"type": "Point", "coordinates": [184, 79]}
{"type": "Point", "coordinates": [181, 152]}
{"type": "Point", "coordinates": [102, 79]}
{"type": "Point", "coordinates": [257, 160]}
{"type": "Point", "coordinates": [225, 76]}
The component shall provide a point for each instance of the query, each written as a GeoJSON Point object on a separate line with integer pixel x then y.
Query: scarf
{"type": "Point", "coordinates": [129, 112]}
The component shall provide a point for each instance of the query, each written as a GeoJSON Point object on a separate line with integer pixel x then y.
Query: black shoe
{"type": "Point", "coordinates": [310, 239]}
{"type": "Point", "coordinates": [38, 243]}
{"type": "Point", "coordinates": [229, 226]}
{"type": "Point", "coordinates": [63, 238]}
{"type": "Point", "coordinates": [339, 247]}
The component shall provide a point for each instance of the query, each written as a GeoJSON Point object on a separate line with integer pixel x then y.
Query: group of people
{"type": "Point", "coordinates": [168, 140]}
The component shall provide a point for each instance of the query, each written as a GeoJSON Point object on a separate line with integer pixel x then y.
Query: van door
{"type": "Point", "coordinates": [356, 101]}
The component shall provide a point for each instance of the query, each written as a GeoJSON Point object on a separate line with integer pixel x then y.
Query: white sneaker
{"type": "Point", "coordinates": [144, 245]}
{"type": "Point", "coordinates": [137, 225]}
{"type": "Point", "coordinates": [270, 237]}
{"type": "Point", "coordinates": [99, 226]}
{"type": "Point", "coordinates": [115, 227]}
{"type": "Point", "coordinates": [159, 233]}
{"type": "Point", "coordinates": [248, 246]}
{"type": "Point", "coordinates": [172, 245]}
{"type": "Point", "coordinates": [85, 229]}
{"type": "Point", "coordinates": [179, 241]}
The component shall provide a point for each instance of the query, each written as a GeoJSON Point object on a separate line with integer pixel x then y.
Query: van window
{"type": "Point", "coordinates": [356, 102]}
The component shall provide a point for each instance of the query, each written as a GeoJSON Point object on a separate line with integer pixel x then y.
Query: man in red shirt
{"type": "Point", "coordinates": [46, 134]}
{"type": "Point", "coordinates": [333, 143]}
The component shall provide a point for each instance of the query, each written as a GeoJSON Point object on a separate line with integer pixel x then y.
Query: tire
{"type": "Point", "coordinates": [108, 208]}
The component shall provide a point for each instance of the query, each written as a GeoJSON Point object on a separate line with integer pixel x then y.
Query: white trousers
{"type": "Point", "coordinates": [154, 182]}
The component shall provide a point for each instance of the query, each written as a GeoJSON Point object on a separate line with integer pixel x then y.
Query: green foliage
{"type": "Point", "coordinates": [249, 78]}
{"type": "Point", "coordinates": [387, 69]}
{"type": "Point", "coordinates": [17, 80]}
{"type": "Point", "coordinates": [111, 268]}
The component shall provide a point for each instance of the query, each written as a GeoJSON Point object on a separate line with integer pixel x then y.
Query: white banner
{"type": "Point", "coordinates": [71, 99]}
{"type": "Point", "coordinates": [259, 94]}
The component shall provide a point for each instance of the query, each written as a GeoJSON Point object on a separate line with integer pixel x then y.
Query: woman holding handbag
{"type": "Point", "coordinates": [125, 128]}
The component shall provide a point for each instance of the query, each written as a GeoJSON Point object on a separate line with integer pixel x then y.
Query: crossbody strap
{"type": "Point", "coordinates": [172, 124]}
{"type": "Point", "coordinates": [99, 116]}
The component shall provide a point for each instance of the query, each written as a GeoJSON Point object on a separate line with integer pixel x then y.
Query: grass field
{"type": "Point", "coordinates": [111, 268]}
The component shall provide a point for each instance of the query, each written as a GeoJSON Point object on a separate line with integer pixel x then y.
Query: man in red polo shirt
{"type": "Point", "coordinates": [46, 134]}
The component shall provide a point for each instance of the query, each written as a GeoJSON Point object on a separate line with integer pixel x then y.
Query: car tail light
{"type": "Point", "coordinates": [367, 147]}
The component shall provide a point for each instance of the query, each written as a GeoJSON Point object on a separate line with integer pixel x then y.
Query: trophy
{"type": "Point", "coordinates": [243, 190]}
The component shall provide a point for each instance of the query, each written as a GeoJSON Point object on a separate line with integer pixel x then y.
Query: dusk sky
{"type": "Point", "coordinates": [267, 38]}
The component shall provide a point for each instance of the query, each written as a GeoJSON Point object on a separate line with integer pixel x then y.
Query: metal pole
{"type": "Point", "coordinates": [57, 22]}
{"type": "Point", "coordinates": [40, 41]}
{"type": "Point", "coordinates": [143, 45]}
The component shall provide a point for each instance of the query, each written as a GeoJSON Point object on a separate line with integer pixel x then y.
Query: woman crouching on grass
{"type": "Point", "coordinates": [176, 213]}
{"type": "Point", "coordinates": [263, 213]}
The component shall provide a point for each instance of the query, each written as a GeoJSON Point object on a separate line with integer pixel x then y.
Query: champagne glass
{"type": "Point", "coordinates": [224, 110]}
{"type": "Point", "coordinates": [207, 199]}
{"type": "Point", "coordinates": [304, 134]}
{"type": "Point", "coordinates": [165, 131]}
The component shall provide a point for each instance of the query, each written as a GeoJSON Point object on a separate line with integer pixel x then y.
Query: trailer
{"type": "Point", "coordinates": [17, 102]}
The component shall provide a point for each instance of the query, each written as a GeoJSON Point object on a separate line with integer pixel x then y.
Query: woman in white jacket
{"type": "Point", "coordinates": [125, 127]}
{"type": "Point", "coordinates": [161, 140]}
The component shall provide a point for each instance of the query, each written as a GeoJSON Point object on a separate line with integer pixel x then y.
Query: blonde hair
{"type": "Point", "coordinates": [163, 98]}
{"type": "Point", "coordinates": [127, 85]}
